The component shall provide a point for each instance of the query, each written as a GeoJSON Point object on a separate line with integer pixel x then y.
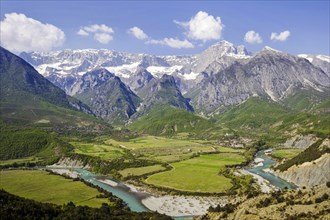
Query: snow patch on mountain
{"type": "Point", "coordinates": [125, 70]}
{"type": "Point", "coordinates": [307, 57]}
{"type": "Point", "coordinates": [159, 71]}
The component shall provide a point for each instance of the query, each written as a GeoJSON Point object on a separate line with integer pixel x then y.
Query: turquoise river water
{"type": "Point", "coordinates": [133, 199]}
{"type": "Point", "coordinates": [273, 179]}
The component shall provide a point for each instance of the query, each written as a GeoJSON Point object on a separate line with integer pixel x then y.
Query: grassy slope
{"type": "Point", "coordinates": [259, 118]}
{"type": "Point", "coordinates": [28, 110]}
{"type": "Point", "coordinates": [167, 120]}
{"type": "Point", "coordinates": [198, 174]}
{"type": "Point", "coordinates": [44, 187]}
{"type": "Point", "coordinates": [304, 100]}
{"type": "Point", "coordinates": [286, 153]}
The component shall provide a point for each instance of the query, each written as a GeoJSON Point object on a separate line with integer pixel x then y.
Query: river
{"type": "Point", "coordinates": [131, 198]}
{"type": "Point", "coordinates": [266, 164]}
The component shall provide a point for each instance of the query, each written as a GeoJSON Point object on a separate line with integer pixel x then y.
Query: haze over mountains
{"type": "Point", "coordinates": [115, 84]}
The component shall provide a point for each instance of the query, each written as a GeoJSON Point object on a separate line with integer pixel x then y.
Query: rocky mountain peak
{"type": "Point", "coordinates": [269, 49]}
{"type": "Point", "coordinates": [223, 48]}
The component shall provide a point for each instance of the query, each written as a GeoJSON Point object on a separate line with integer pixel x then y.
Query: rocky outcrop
{"type": "Point", "coordinates": [300, 141]}
{"type": "Point", "coordinates": [69, 163]}
{"type": "Point", "coordinates": [309, 173]}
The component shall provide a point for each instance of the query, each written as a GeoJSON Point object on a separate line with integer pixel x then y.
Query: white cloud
{"type": "Point", "coordinates": [174, 43]}
{"type": "Point", "coordinates": [102, 33]}
{"type": "Point", "coordinates": [138, 33]}
{"type": "Point", "coordinates": [20, 33]}
{"type": "Point", "coordinates": [82, 32]}
{"type": "Point", "coordinates": [103, 38]}
{"type": "Point", "coordinates": [203, 27]}
{"type": "Point", "coordinates": [283, 36]}
{"type": "Point", "coordinates": [252, 37]}
{"type": "Point", "coordinates": [98, 28]}
{"type": "Point", "coordinates": [171, 42]}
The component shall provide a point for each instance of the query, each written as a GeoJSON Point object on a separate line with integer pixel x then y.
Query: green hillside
{"type": "Point", "coordinates": [168, 120]}
{"type": "Point", "coordinates": [261, 118]}
{"type": "Point", "coordinates": [27, 98]}
{"type": "Point", "coordinates": [22, 143]}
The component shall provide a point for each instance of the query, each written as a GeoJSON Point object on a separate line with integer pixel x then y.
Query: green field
{"type": "Point", "coordinates": [20, 160]}
{"type": "Point", "coordinates": [198, 174]}
{"type": "Point", "coordinates": [286, 153]}
{"type": "Point", "coordinates": [139, 171]}
{"type": "Point", "coordinates": [105, 152]}
{"type": "Point", "coordinates": [44, 187]}
{"type": "Point", "coordinates": [152, 142]}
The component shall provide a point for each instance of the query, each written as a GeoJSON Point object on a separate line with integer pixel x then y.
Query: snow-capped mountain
{"type": "Point", "coordinates": [223, 74]}
{"type": "Point", "coordinates": [64, 68]}
{"type": "Point", "coordinates": [269, 73]}
{"type": "Point", "coordinates": [222, 53]}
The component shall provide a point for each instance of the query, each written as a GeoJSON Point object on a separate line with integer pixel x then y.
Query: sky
{"type": "Point", "coordinates": [165, 27]}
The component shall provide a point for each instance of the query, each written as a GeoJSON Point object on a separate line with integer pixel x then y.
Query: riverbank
{"type": "Point", "coordinates": [65, 172]}
{"type": "Point", "coordinates": [182, 205]}
{"type": "Point", "coordinates": [261, 171]}
{"type": "Point", "coordinates": [264, 184]}
{"type": "Point", "coordinates": [175, 206]}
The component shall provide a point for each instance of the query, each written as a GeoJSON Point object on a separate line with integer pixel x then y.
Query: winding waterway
{"type": "Point", "coordinates": [131, 198]}
{"type": "Point", "coordinates": [266, 164]}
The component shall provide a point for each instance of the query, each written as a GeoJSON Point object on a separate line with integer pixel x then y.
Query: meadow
{"type": "Point", "coordinates": [140, 171]}
{"type": "Point", "coordinates": [200, 174]}
{"type": "Point", "coordinates": [159, 149]}
{"type": "Point", "coordinates": [44, 187]}
{"type": "Point", "coordinates": [148, 141]}
{"type": "Point", "coordinates": [286, 153]}
{"type": "Point", "coordinates": [19, 161]}
{"type": "Point", "coordinates": [104, 151]}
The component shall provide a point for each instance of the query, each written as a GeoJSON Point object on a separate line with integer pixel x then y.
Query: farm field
{"type": "Point", "coordinates": [153, 142]}
{"type": "Point", "coordinates": [103, 151]}
{"type": "Point", "coordinates": [160, 149]}
{"type": "Point", "coordinates": [286, 153]}
{"type": "Point", "coordinates": [44, 187]}
{"type": "Point", "coordinates": [19, 161]}
{"type": "Point", "coordinates": [202, 173]}
{"type": "Point", "coordinates": [139, 171]}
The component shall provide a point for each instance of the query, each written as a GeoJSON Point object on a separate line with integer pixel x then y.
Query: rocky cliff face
{"type": "Point", "coordinates": [311, 173]}
{"type": "Point", "coordinates": [139, 79]}
{"type": "Point", "coordinates": [108, 97]}
{"type": "Point", "coordinates": [163, 91]}
{"type": "Point", "coordinates": [300, 141]}
{"type": "Point", "coordinates": [321, 61]}
{"type": "Point", "coordinates": [269, 73]}
{"type": "Point", "coordinates": [219, 56]}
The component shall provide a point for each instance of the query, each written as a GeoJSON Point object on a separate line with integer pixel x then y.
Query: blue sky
{"type": "Point", "coordinates": [169, 27]}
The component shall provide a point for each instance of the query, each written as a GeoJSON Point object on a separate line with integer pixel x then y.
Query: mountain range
{"type": "Point", "coordinates": [119, 86]}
